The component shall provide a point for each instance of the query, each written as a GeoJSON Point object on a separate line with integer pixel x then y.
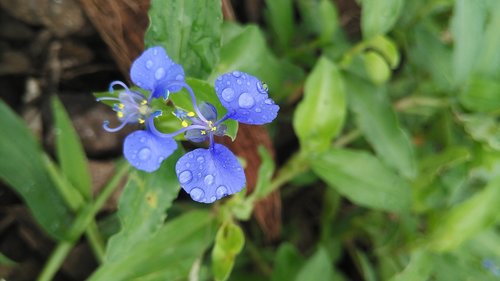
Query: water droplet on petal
{"type": "Point", "coordinates": [159, 73]}
{"type": "Point", "coordinates": [143, 140]}
{"type": "Point", "coordinates": [221, 191]}
{"type": "Point", "coordinates": [160, 159]}
{"type": "Point", "coordinates": [179, 77]}
{"type": "Point", "coordinates": [188, 165]}
{"type": "Point", "coordinates": [155, 52]}
{"type": "Point", "coordinates": [262, 87]}
{"type": "Point", "coordinates": [239, 81]}
{"type": "Point", "coordinates": [246, 100]}
{"type": "Point", "coordinates": [196, 193]}
{"type": "Point", "coordinates": [228, 94]}
{"type": "Point", "coordinates": [209, 179]}
{"type": "Point", "coordinates": [236, 74]}
{"type": "Point", "coordinates": [269, 101]}
{"type": "Point", "coordinates": [185, 177]}
{"type": "Point", "coordinates": [212, 199]}
{"type": "Point", "coordinates": [258, 109]}
{"type": "Point", "coordinates": [144, 153]}
{"type": "Point", "coordinates": [219, 78]}
{"type": "Point", "coordinates": [200, 159]}
{"type": "Point", "coordinates": [149, 64]}
{"type": "Point", "coordinates": [190, 156]}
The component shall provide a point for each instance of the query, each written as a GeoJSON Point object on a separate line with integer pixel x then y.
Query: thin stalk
{"type": "Point", "coordinates": [83, 219]}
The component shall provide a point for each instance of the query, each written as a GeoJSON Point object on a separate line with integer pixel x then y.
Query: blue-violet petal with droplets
{"type": "Point", "coordinates": [210, 174]}
{"type": "Point", "coordinates": [145, 151]}
{"type": "Point", "coordinates": [154, 71]}
{"type": "Point", "coordinates": [245, 98]}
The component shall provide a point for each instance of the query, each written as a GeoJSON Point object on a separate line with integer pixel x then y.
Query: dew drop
{"type": "Point", "coordinates": [221, 191]}
{"type": "Point", "coordinates": [258, 109]}
{"type": "Point", "coordinates": [185, 177]}
{"type": "Point", "coordinates": [269, 101]}
{"type": "Point", "coordinates": [209, 179]}
{"type": "Point", "coordinates": [179, 77]}
{"type": "Point", "coordinates": [239, 81]}
{"type": "Point", "coordinates": [212, 199]}
{"type": "Point", "coordinates": [246, 101]}
{"type": "Point", "coordinates": [160, 159]}
{"type": "Point", "coordinates": [155, 52]}
{"type": "Point", "coordinates": [228, 94]}
{"type": "Point", "coordinates": [190, 156]}
{"type": "Point", "coordinates": [149, 64]}
{"type": "Point", "coordinates": [219, 78]}
{"type": "Point", "coordinates": [144, 153]}
{"type": "Point", "coordinates": [159, 73]}
{"type": "Point", "coordinates": [262, 87]}
{"type": "Point", "coordinates": [196, 193]}
{"type": "Point", "coordinates": [200, 159]}
{"type": "Point", "coordinates": [236, 74]}
{"type": "Point", "coordinates": [143, 139]}
{"type": "Point", "coordinates": [188, 165]}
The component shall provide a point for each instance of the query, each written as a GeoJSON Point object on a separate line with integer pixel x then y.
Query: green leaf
{"type": "Point", "coordinates": [467, 28]}
{"type": "Point", "coordinates": [143, 205]}
{"type": "Point", "coordinates": [70, 152]}
{"type": "Point", "coordinates": [265, 174]}
{"type": "Point", "coordinates": [204, 92]}
{"type": "Point", "coordinates": [379, 124]}
{"type": "Point", "coordinates": [229, 242]}
{"type": "Point", "coordinates": [5, 261]}
{"type": "Point", "coordinates": [280, 17]}
{"type": "Point", "coordinates": [169, 254]}
{"type": "Point", "coordinates": [466, 219]}
{"type": "Point", "coordinates": [319, 17]}
{"type": "Point", "coordinates": [483, 128]}
{"type": "Point", "coordinates": [22, 169]}
{"type": "Point", "coordinates": [319, 117]}
{"type": "Point", "coordinates": [489, 58]}
{"type": "Point", "coordinates": [379, 16]}
{"type": "Point", "coordinates": [319, 268]}
{"type": "Point", "coordinates": [363, 179]}
{"type": "Point", "coordinates": [287, 264]}
{"type": "Point", "coordinates": [248, 52]}
{"type": "Point", "coordinates": [419, 268]}
{"type": "Point", "coordinates": [481, 94]}
{"type": "Point", "coordinates": [190, 31]}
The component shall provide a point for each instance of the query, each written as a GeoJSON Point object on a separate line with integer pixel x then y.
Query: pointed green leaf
{"type": "Point", "coordinates": [319, 268]}
{"type": "Point", "coordinates": [481, 94]}
{"type": "Point", "coordinates": [70, 152]}
{"type": "Point", "coordinates": [280, 18]}
{"type": "Point", "coordinates": [379, 16]}
{"type": "Point", "coordinates": [363, 179]}
{"type": "Point", "coordinates": [169, 254]}
{"type": "Point", "coordinates": [143, 205]}
{"type": "Point", "coordinates": [467, 219]}
{"type": "Point", "coordinates": [319, 117]}
{"type": "Point", "coordinates": [287, 263]}
{"type": "Point", "coordinates": [190, 31]}
{"type": "Point", "coordinates": [379, 124]}
{"type": "Point", "coordinates": [22, 169]}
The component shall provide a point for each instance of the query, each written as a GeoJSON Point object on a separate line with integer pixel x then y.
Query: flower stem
{"type": "Point", "coordinates": [84, 218]}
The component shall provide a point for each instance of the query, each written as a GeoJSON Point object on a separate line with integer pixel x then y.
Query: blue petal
{"type": "Point", "coordinates": [195, 135]}
{"type": "Point", "coordinates": [146, 151]}
{"type": "Point", "coordinates": [154, 71]}
{"type": "Point", "coordinates": [210, 174]}
{"type": "Point", "coordinates": [246, 98]}
{"type": "Point", "coordinates": [208, 111]}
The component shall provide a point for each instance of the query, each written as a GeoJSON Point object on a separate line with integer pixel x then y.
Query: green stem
{"type": "Point", "coordinates": [56, 259]}
{"type": "Point", "coordinates": [84, 218]}
{"type": "Point", "coordinates": [95, 240]}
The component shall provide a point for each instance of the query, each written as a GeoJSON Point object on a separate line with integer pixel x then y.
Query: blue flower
{"type": "Point", "coordinates": [210, 174]}
{"type": "Point", "coordinates": [153, 71]}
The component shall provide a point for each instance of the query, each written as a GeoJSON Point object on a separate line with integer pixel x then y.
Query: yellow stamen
{"type": "Point", "coordinates": [141, 121]}
{"type": "Point", "coordinates": [203, 132]}
{"type": "Point", "coordinates": [144, 102]}
{"type": "Point", "coordinates": [213, 129]}
{"type": "Point", "coordinates": [184, 123]}
{"type": "Point", "coordinates": [190, 114]}
{"type": "Point", "coordinates": [119, 114]}
{"type": "Point", "coordinates": [121, 106]}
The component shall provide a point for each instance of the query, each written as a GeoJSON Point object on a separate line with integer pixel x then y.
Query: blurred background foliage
{"type": "Point", "coordinates": [383, 164]}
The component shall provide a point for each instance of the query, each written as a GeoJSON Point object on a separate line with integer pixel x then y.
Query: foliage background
{"type": "Point", "coordinates": [392, 171]}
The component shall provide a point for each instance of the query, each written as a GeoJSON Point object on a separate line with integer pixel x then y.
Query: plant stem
{"type": "Point", "coordinates": [80, 224]}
